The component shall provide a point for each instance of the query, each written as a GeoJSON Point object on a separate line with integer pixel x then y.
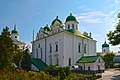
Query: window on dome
{"type": "Point", "coordinates": [68, 26]}
{"type": "Point", "coordinates": [41, 52]}
{"type": "Point", "coordinates": [72, 26]}
{"type": "Point", "coordinates": [79, 48]}
{"type": "Point", "coordinates": [15, 36]}
{"type": "Point", "coordinates": [104, 50]}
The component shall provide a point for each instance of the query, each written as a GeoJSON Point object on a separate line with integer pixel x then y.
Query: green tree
{"type": "Point", "coordinates": [114, 36]}
{"type": "Point", "coordinates": [6, 49]}
{"type": "Point", "coordinates": [108, 58]}
{"type": "Point", "coordinates": [18, 56]}
{"type": "Point", "coordinates": [26, 60]}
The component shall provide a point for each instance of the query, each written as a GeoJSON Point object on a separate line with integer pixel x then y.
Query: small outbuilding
{"type": "Point", "coordinates": [90, 64]}
{"type": "Point", "coordinates": [116, 61]}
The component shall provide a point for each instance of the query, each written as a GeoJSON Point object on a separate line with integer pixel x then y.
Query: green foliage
{"type": "Point", "coordinates": [26, 61]}
{"type": "Point", "coordinates": [79, 76]}
{"type": "Point", "coordinates": [63, 72]}
{"type": "Point", "coordinates": [12, 74]}
{"type": "Point", "coordinates": [6, 48]}
{"type": "Point", "coordinates": [18, 56]}
{"type": "Point", "coordinates": [108, 58]}
{"type": "Point", "coordinates": [114, 36]}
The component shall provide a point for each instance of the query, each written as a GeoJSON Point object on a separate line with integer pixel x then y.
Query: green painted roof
{"type": "Point", "coordinates": [71, 18]}
{"type": "Point", "coordinates": [15, 31]}
{"type": "Point", "coordinates": [56, 20]}
{"type": "Point", "coordinates": [39, 63]}
{"type": "Point", "coordinates": [105, 45]}
{"type": "Point", "coordinates": [47, 28]}
{"type": "Point", "coordinates": [77, 33]}
{"type": "Point", "coordinates": [88, 59]}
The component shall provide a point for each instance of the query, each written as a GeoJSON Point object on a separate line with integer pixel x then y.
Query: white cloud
{"type": "Point", "coordinates": [117, 1]}
{"type": "Point", "coordinates": [82, 6]}
{"type": "Point", "coordinates": [91, 17]}
{"type": "Point", "coordinates": [97, 35]}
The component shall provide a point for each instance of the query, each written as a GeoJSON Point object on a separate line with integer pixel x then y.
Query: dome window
{"type": "Point", "coordinates": [72, 26]}
{"type": "Point", "coordinates": [68, 26]}
{"type": "Point", "coordinates": [15, 36]}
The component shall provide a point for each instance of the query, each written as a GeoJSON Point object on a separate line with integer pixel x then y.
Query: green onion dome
{"type": "Point", "coordinates": [47, 28]}
{"type": "Point", "coordinates": [71, 18]}
{"type": "Point", "coordinates": [15, 31]}
{"type": "Point", "coordinates": [56, 20]}
{"type": "Point", "coordinates": [105, 45]}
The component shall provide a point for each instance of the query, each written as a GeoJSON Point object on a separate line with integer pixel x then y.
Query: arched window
{"type": "Point", "coordinates": [38, 45]}
{"type": "Point", "coordinates": [50, 48]}
{"type": "Point", "coordinates": [104, 50]}
{"type": "Point", "coordinates": [79, 48]}
{"type": "Point", "coordinates": [85, 46]}
{"type": "Point", "coordinates": [68, 26]}
{"type": "Point", "coordinates": [56, 47]}
{"type": "Point", "coordinates": [41, 52]}
{"type": "Point", "coordinates": [72, 26]}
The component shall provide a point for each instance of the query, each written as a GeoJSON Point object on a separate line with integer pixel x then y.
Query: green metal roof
{"type": "Point", "coordinates": [39, 63]}
{"type": "Point", "coordinates": [15, 31]}
{"type": "Point", "coordinates": [71, 18]}
{"type": "Point", "coordinates": [105, 45]}
{"type": "Point", "coordinates": [56, 20]}
{"type": "Point", "coordinates": [88, 59]}
{"type": "Point", "coordinates": [47, 28]}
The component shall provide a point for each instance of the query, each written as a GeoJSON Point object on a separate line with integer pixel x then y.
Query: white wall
{"type": "Point", "coordinates": [105, 50]}
{"type": "Point", "coordinates": [70, 23]}
{"type": "Point", "coordinates": [13, 36]}
{"type": "Point", "coordinates": [34, 68]}
{"type": "Point", "coordinates": [67, 47]}
{"type": "Point", "coordinates": [52, 40]}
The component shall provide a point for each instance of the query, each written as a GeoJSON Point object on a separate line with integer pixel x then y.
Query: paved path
{"type": "Point", "coordinates": [111, 74]}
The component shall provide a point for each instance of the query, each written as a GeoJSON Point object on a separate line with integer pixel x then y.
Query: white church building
{"type": "Point", "coordinates": [62, 44]}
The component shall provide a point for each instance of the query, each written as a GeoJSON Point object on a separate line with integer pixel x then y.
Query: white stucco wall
{"type": "Point", "coordinates": [93, 66]}
{"type": "Point", "coordinates": [67, 48]}
{"type": "Point", "coordinates": [13, 36]}
{"type": "Point", "coordinates": [70, 23]}
{"type": "Point", "coordinates": [105, 50]}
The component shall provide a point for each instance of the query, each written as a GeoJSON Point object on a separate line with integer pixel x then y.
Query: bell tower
{"type": "Point", "coordinates": [15, 34]}
{"type": "Point", "coordinates": [71, 22]}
